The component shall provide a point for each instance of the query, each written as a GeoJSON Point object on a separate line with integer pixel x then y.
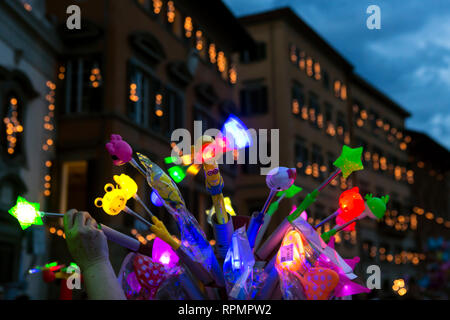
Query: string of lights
{"type": "Point", "coordinates": [48, 138]}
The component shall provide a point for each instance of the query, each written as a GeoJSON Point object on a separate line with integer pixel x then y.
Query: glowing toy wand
{"type": "Point", "coordinates": [28, 214]}
{"type": "Point", "coordinates": [114, 201]}
{"type": "Point", "coordinates": [376, 209]}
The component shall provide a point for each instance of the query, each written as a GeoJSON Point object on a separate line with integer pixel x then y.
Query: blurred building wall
{"type": "Point", "coordinates": [28, 48]}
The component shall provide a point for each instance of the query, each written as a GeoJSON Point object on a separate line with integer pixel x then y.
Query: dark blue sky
{"type": "Point", "coordinates": [408, 59]}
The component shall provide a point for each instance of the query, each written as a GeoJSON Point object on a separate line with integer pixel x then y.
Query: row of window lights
{"type": "Point", "coordinates": [392, 132]}
{"type": "Point", "coordinates": [12, 125]}
{"type": "Point", "coordinates": [399, 258]}
{"type": "Point", "coordinates": [400, 222]}
{"type": "Point", "coordinates": [310, 114]}
{"type": "Point", "coordinates": [380, 163]}
{"type": "Point", "coordinates": [217, 57]}
{"type": "Point", "coordinates": [95, 77]}
{"type": "Point", "coordinates": [313, 69]}
{"type": "Point", "coordinates": [315, 169]}
{"type": "Point", "coordinates": [431, 216]}
{"type": "Point", "coordinates": [49, 126]}
{"type": "Point", "coordinates": [432, 172]}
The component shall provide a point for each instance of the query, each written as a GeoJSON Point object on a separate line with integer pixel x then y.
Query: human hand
{"type": "Point", "coordinates": [87, 244]}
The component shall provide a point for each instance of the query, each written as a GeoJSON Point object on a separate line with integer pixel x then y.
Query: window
{"type": "Point", "coordinates": [309, 66]}
{"type": "Point", "coordinates": [341, 124]}
{"type": "Point", "coordinates": [314, 108]}
{"type": "Point", "coordinates": [298, 98]}
{"type": "Point", "coordinates": [373, 120]}
{"type": "Point", "coordinates": [153, 105]}
{"type": "Point", "coordinates": [328, 112]}
{"type": "Point", "coordinates": [340, 90]}
{"type": "Point", "coordinates": [317, 161]}
{"type": "Point", "coordinates": [257, 53]}
{"type": "Point", "coordinates": [253, 99]}
{"type": "Point", "coordinates": [293, 54]}
{"type": "Point", "coordinates": [330, 160]}
{"type": "Point", "coordinates": [301, 154]}
{"type": "Point", "coordinates": [204, 115]}
{"type": "Point", "coordinates": [326, 80]}
{"type": "Point", "coordinates": [82, 85]}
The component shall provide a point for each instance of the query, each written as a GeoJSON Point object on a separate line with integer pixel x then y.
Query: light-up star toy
{"type": "Point", "coordinates": [28, 214]}
{"type": "Point", "coordinates": [347, 162]}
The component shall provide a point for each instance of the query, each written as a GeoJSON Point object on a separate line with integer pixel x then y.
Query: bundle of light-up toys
{"type": "Point", "coordinates": [295, 262]}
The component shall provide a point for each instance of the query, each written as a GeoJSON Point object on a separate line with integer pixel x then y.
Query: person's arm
{"type": "Point", "coordinates": [89, 248]}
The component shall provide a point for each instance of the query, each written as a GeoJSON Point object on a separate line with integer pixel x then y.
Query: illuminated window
{"type": "Point", "coordinates": [340, 90]}
{"type": "Point", "coordinates": [82, 85]}
{"type": "Point", "coordinates": [298, 98]}
{"type": "Point", "coordinates": [293, 54]}
{"type": "Point", "coordinates": [301, 155]}
{"type": "Point", "coordinates": [153, 105]}
{"type": "Point", "coordinates": [170, 12]}
{"type": "Point", "coordinates": [309, 67]}
{"type": "Point", "coordinates": [341, 124]}
{"type": "Point", "coordinates": [232, 74]}
{"type": "Point", "coordinates": [199, 41]}
{"type": "Point", "coordinates": [317, 161]}
{"type": "Point", "coordinates": [188, 28]}
{"type": "Point", "coordinates": [314, 108]}
{"type": "Point", "coordinates": [212, 52]}
{"type": "Point", "coordinates": [222, 64]}
{"type": "Point", "coordinates": [317, 71]}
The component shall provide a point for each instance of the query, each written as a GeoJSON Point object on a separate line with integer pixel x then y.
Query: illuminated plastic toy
{"type": "Point", "coordinates": [119, 150]}
{"type": "Point", "coordinates": [114, 201]}
{"type": "Point", "coordinates": [351, 205]}
{"type": "Point", "coordinates": [164, 254]}
{"type": "Point", "coordinates": [27, 213]}
{"type": "Point", "coordinates": [300, 277]}
{"type": "Point", "coordinates": [376, 209]}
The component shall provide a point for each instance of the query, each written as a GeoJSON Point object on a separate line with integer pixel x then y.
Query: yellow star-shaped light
{"type": "Point", "coordinates": [349, 160]}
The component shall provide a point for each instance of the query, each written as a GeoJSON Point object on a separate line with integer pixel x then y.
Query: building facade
{"type": "Point", "coordinates": [295, 82]}
{"type": "Point", "coordinates": [28, 50]}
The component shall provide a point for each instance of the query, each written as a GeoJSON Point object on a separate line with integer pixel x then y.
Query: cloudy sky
{"type": "Point", "coordinates": [408, 59]}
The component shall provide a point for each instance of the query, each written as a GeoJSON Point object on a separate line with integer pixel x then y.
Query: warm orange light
{"type": "Point", "coordinates": [292, 253]}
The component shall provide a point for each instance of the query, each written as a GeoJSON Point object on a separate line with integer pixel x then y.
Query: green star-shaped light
{"type": "Point", "coordinates": [349, 160]}
{"type": "Point", "coordinates": [27, 213]}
